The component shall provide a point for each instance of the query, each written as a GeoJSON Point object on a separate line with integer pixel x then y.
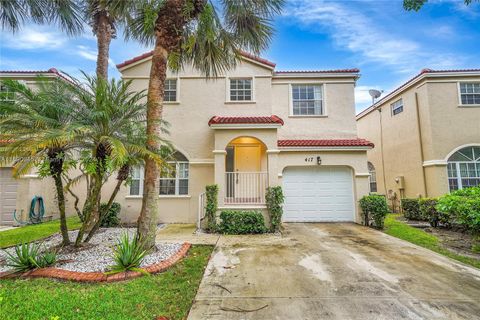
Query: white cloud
{"type": "Point", "coordinates": [91, 54]}
{"type": "Point", "coordinates": [370, 40]}
{"type": "Point", "coordinates": [32, 38]}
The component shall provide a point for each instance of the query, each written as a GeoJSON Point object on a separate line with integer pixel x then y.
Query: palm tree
{"type": "Point", "coordinates": [111, 119]}
{"type": "Point", "coordinates": [40, 126]}
{"type": "Point", "coordinates": [416, 5]}
{"type": "Point", "coordinates": [196, 32]}
{"type": "Point", "coordinates": [104, 16]}
{"type": "Point", "coordinates": [65, 14]}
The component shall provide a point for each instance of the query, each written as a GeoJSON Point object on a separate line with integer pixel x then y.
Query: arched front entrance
{"type": "Point", "coordinates": [464, 168]}
{"type": "Point", "coordinates": [246, 177]}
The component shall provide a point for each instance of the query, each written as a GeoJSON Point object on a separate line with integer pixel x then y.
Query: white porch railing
{"type": "Point", "coordinates": [245, 188]}
{"type": "Point", "coordinates": [202, 202]}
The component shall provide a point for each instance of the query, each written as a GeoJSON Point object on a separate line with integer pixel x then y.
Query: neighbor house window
{"type": "Point", "coordinates": [307, 100]}
{"type": "Point", "coordinates": [174, 178]}
{"type": "Point", "coordinates": [397, 107]}
{"type": "Point", "coordinates": [241, 90]}
{"type": "Point", "coordinates": [470, 93]}
{"type": "Point", "coordinates": [463, 168]}
{"type": "Point", "coordinates": [6, 95]}
{"type": "Point", "coordinates": [170, 90]}
{"type": "Point", "coordinates": [136, 184]}
{"type": "Point", "coordinates": [373, 177]}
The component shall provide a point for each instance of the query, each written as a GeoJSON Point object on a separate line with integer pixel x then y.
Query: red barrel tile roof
{"type": "Point", "coordinates": [325, 143]}
{"type": "Point", "coordinates": [273, 119]}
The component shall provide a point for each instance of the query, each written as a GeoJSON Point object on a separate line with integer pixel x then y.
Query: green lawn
{"type": "Point", "coordinates": [35, 232]}
{"type": "Point", "coordinates": [419, 237]}
{"type": "Point", "coordinates": [167, 294]}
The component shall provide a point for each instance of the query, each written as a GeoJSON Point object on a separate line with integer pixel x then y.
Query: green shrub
{"type": "Point", "coordinates": [274, 199]}
{"type": "Point", "coordinates": [375, 206]}
{"type": "Point", "coordinates": [241, 222]}
{"type": "Point", "coordinates": [128, 254]}
{"type": "Point", "coordinates": [431, 214]}
{"type": "Point", "coordinates": [411, 209]}
{"type": "Point", "coordinates": [110, 218]}
{"type": "Point", "coordinates": [211, 207]}
{"type": "Point", "coordinates": [27, 256]}
{"type": "Point", "coordinates": [462, 208]}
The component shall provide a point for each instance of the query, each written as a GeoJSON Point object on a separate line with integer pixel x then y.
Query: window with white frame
{"type": "Point", "coordinates": [241, 90]}
{"type": "Point", "coordinates": [173, 178]}
{"type": "Point", "coordinates": [397, 107]}
{"type": "Point", "coordinates": [373, 177]}
{"type": "Point", "coordinates": [463, 168]}
{"type": "Point", "coordinates": [6, 95]}
{"type": "Point", "coordinates": [307, 100]}
{"type": "Point", "coordinates": [470, 93]}
{"type": "Point", "coordinates": [170, 92]}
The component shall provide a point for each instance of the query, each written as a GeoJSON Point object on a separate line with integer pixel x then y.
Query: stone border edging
{"type": "Point", "coordinates": [61, 274]}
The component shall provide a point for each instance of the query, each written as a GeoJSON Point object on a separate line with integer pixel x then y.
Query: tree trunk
{"type": "Point", "coordinates": [104, 37]}
{"type": "Point", "coordinates": [91, 209]}
{"type": "Point", "coordinates": [61, 209]}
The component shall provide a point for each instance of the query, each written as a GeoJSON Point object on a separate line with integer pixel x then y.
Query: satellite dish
{"type": "Point", "coordinates": [375, 94]}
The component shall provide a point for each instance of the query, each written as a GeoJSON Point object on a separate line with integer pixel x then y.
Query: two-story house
{"type": "Point", "coordinates": [426, 135]}
{"type": "Point", "coordinates": [248, 129]}
{"type": "Point", "coordinates": [255, 127]}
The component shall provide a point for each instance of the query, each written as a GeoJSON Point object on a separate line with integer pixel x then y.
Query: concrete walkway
{"type": "Point", "coordinates": [332, 271]}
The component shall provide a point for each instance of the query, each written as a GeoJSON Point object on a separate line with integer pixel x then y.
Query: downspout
{"type": "Point", "coordinates": [422, 155]}
{"type": "Point", "coordinates": [381, 151]}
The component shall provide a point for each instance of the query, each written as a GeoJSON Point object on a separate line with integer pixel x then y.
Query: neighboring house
{"type": "Point", "coordinates": [250, 128]}
{"type": "Point", "coordinates": [16, 194]}
{"type": "Point", "coordinates": [255, 127]}
{"type": "Point", "coordinates": [426, 135]}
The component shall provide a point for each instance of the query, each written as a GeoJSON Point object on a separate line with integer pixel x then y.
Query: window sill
{"type": "Point", "coordinates": [162, 197]}
{"type": "Point", "coordinates": [240, 102]}
{"type": "Point", "coordinates": [171, 102]}
{"type": "Point", "coordinates": [469, 105]}
{"type": "Point", "coordinates": [308, 116]}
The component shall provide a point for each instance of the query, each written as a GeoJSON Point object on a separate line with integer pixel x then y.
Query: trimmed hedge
{"type": "Point", "coordinates": [241, 222]}
{"type": "Point", "coordinates": [274, 199]}
{"type": "Point", "coordinates": [429, 212]}
{"type": "Point", "coordinates": [375, 206]}
{"type": "Point", "coordinates": [211, 192]}
{"type": "Point", "coordinates": [461, 208]}
{"type": "Point", "coordinates": [411, 209]}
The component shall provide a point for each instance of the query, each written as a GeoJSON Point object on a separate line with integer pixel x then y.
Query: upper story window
{"type": "Point", "coordinates": [241, 90]}
{"type": "Point", "coordinates": [470, 93]}
{"type": "Point", "coordinates": [170, 93]}
{"type": "Point", "coordinates": [373, 177]}
{"type": "Point", "coordinates": [6, 94]}
{"type": "Point", "coordinates": [307, 100]}
{"type": "Point", "coordinates": [397, 107]}
{"type": "Point", "coordinates": [173, 180]}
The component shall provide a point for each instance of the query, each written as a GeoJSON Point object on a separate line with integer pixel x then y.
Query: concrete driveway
{"type": "Point", "coordinates": [333, 271]}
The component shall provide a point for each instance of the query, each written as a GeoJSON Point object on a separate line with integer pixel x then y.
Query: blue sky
{"type": "Point", "coordinates": [388, 44]}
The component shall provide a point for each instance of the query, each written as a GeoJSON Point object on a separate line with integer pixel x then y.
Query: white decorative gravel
{"type": "Point", "coordinates": [98, 255]}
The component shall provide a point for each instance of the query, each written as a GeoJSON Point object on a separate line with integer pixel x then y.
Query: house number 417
{"type": "Point", "coordinates": [314, 159]}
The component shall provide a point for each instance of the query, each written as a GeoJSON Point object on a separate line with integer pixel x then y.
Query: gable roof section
{"type": "Point", "coordinates": [52, 72]}
{"type": "Point", "coordinates": [273, 119]}
{"type": "Point", "coordinates": [246, 55]}
{"type": "Point", "coordinates": [424, 73]}
{"type": "Point", "coordinates": [325, 143]}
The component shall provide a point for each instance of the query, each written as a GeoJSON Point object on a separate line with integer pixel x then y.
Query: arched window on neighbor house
{"type": "Point", "coordinates": [373, 177]}
{"type": "Point", "coordinates": [464, 168]}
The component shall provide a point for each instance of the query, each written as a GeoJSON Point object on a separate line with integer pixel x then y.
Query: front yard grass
{"type": "Point", "coordinates": [34, 232]}
{"type": "Point", "coordinates": [419, 237]}
{"type": "Point", "coordinates": [167, 294]}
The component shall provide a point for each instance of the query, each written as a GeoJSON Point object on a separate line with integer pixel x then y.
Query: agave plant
{"type": "Point", "coordinates": [128, 254]}
{"type": "Point", "coordinates": [27, 256]}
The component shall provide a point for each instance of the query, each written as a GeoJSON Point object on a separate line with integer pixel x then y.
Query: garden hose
{"type": "Point", "coordinates": [35, 215]}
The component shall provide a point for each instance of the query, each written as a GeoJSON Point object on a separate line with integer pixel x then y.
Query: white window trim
{"type": "Point", "coordinates": [460, 104]}
{"type": "Point", "coordinates": [177, 101]}
{"type": "Point", "coordinates": [177, 180]}
{"type": "Point", "coordinates": [227, 91]}
{"type": "Point", "coordinates": [324, 100]}
{"type": "Point", "coordinates": [391, 107]}
{"type": "Point", "coordinates": [140, 187]}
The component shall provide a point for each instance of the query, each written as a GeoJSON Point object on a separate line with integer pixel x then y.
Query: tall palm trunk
{"type": "Point", "coordinates": [104, 37]}
{"type": "Point", "coordinates": [56, 169]}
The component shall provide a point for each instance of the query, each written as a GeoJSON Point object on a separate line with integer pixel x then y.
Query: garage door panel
{"type": "Point", "coordinates": [8, 196]}
{"type": "Point", "coordinates": [318, 194]}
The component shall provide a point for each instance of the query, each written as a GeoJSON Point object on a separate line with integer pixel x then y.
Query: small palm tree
{"type": "Point", "coordinates": [64, 13]}
{"type": "Point", "coordinates": [42, 134]}
{"type": "Point", "coordinates": [196, 32]}
{"type": "Point", "coordinates": [111, 118]}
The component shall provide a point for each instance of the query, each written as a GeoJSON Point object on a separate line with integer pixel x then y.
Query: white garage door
{"type": "Point", "coordinates": [8, 196]}
{"type": "Point", "coordinates": [315, 194]}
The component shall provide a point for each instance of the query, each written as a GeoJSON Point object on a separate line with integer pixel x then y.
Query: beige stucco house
{"type": "Point", "coordinates": [426, 135]}
{"type": "Point", "coordinates": [251, 128]}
